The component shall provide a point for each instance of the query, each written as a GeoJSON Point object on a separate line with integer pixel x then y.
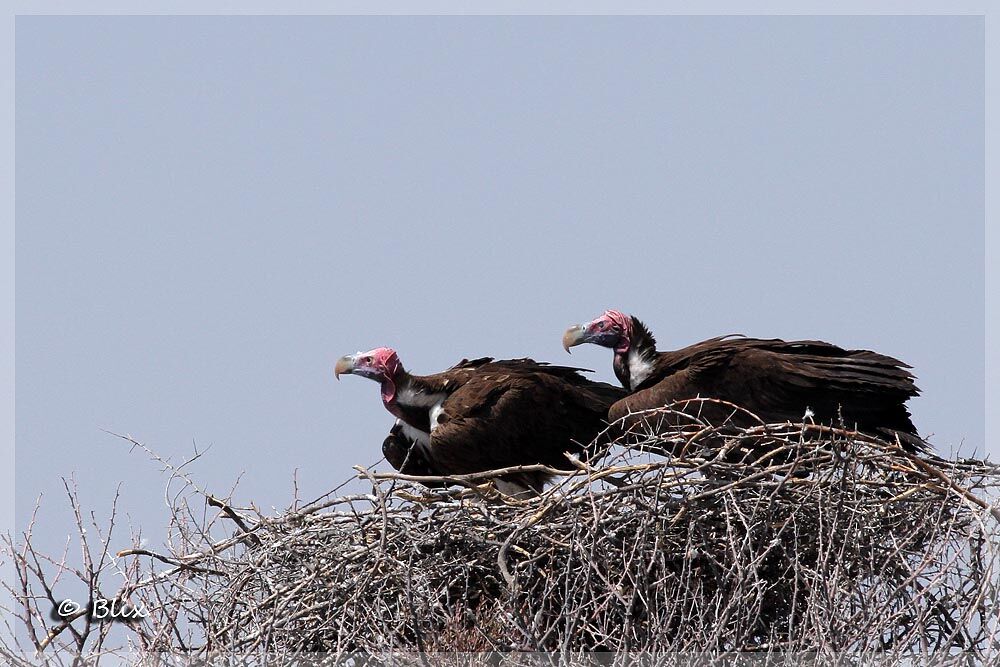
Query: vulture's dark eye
{"type": "Point", "coordinates": [367, 360]}
{"type": "Point", "coordinates": [602, 325]}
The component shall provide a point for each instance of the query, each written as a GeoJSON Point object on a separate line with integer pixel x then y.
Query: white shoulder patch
{"type": "Point", "coordinates": [416, 435]}
{"type": "Point", "coordinates": [436, 411]}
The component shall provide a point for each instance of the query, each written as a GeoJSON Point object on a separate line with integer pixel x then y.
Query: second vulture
{"type": "Point", "coordinates": [779, 381]}
{"type": "Point", "coordinates": [484, 415]}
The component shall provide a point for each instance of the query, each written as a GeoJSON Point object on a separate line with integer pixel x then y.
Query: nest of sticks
{"type": "Point", "coordinates": [786, 538]}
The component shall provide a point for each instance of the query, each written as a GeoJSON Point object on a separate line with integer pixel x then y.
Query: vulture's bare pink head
{"type": "Point", "coordinates": [612, 329]}
{"type": "Point", "coordinates": [381, 364]}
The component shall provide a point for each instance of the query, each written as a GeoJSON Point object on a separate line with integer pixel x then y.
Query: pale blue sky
{"type": "Point", "coordinates": [211, 210]}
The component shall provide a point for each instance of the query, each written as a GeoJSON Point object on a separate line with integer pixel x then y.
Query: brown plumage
{"type": "Point", "coordinates": [778, 381]}
{"type": "Point", "coordinates": [484, 414]}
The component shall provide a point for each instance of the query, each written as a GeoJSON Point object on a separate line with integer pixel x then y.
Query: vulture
{"type": "Point", "coordinates": [484, 414]}
{"type": "Point", "coordinates": [779, 381]}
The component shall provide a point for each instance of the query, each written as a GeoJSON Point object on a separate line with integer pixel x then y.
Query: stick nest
{"type": "Point", "coordinates": [776, 538]}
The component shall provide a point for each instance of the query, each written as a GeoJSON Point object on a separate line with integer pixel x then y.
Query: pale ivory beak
{"type": "Point", "coordinates": [345, 365]}
{"type": "Point", "coordinates": [573, 336]}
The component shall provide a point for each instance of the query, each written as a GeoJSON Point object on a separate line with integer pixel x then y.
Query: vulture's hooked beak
{"type": "Point", "coordinates": [573, 336]}
{"type": "Point", "coordinates": [345, 365]}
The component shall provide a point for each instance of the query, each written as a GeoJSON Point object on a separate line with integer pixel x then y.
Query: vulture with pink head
{"type": "Point", "coordinates": [485, 414]}
{"type": "Point", "coordinates": [779, 381]}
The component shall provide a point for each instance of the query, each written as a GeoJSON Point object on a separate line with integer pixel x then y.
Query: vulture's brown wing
{"type": "Point", "coordinates": [526, 366]}
{"type": "Point", "coordinates": [452, 378]}
{"type": "Point", "coordinates": [865, 389]}
{"type": "Point", "coordinates": [780, 380]}
{"type": "Point", "coordinates": [472, 363]}
{"type": "Point", "coordinates": [815, 364]}
{"type": "Point", "coordinates": [686, 374]}
{"type": "Point", "coordinates": [508, 419]}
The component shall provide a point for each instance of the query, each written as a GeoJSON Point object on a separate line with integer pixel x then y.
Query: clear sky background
{"type": "Point", "coordinates": [211, 210]}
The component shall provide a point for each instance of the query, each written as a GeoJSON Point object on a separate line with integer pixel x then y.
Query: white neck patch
{"type": "Point", "coordinates": [639, 368]}
{"type": "Point", "coordinates": [415, 398]}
